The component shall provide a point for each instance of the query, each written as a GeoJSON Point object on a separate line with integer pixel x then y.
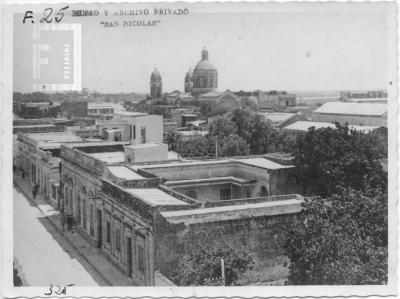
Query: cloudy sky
{"type": "Point", "coordinates": [287, 47]}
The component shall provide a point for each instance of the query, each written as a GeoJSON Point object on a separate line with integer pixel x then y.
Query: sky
{"type": "Point", "coordinates": [267, 49]}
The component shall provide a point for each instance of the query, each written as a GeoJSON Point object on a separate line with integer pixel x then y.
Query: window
{"type": "Point", "coordinates": [78, 208]}
{"type": "Point", "coordinates": [134, 132]}
{"type": "Point", "coordinates": [143, 134]}
{"type": "Point", "coordinates": [91, 221]}
{"type": "Point", "coordinates": [108, 232]}
{"type": "Point", "coordinates": [84, 211]}
{"type": "Point", "coordinates": [191, 194]}
{"type": "Point", "coordinates": [225, 193]}
{"type": "Point", "coordinates": [141, 259]}
{"type": "Point", "coordinates": [118, 236]}
{"type": "Point", "coordinates": [70, 201]}
{"type": "Point", "coordinates": [264, 191]}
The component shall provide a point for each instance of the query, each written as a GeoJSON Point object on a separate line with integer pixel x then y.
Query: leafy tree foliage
{"type": "Point", "coordinates": [196, 146]}
{"type": "Point", "coordinates": [172, 139]}
{"type": "Point", "coordinates": [329, 157]}
{"type": "Point", "coordinates": [341, 239]}
{"type": "Point", "coordinates": [234, 145]}
{"type": "Point", "coordinates": [222, 127]}
{"type": "Point", "coordinates": [202, 264]}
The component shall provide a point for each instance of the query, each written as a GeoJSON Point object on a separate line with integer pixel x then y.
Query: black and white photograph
{"type": "Point", "coordinates": [249, 147]}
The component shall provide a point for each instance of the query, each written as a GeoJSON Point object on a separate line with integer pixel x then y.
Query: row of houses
{"type": "Point", "coordinates": [142, 205]}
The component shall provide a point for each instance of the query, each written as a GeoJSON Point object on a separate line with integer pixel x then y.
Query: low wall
{"type": "Point", "coordinates": [263, 236]}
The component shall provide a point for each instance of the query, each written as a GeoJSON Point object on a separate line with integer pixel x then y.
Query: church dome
{"type": "Point", "coordinates": [205, 75]}
{"type": "Point", "coordinates": [155, 75]}
{"type": "Point", "coordinates": [205, 65]}
{"type": "Point", "coordinates": [189, 75]}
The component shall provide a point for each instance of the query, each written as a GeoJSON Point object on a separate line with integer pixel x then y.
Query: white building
{"type": "Point", "coordinates": [134, 126]}
{"type": "Point", "coordinates": [304, 126]}
{"type": "Point", "coordinates": [357, 114]}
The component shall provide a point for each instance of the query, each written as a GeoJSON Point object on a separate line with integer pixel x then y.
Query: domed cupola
{"type": "Point", "coordinates": [205, 75]}
{"type": "Point", "coordinates": [189, 81]}
{"type": "Point", "coordinates": [189, 76]}
{"type": "Point", "coordinates": [155, 75]}
{"type": "Point", "coordinates": [155, 84]}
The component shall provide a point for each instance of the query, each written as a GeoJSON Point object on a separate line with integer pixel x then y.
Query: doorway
{"type": "Point", "coordinates": [99, 229]}
{"type": "Point", "coordinates": [129, 256]}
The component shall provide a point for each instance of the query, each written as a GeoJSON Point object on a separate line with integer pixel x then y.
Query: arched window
{"type": "Point", "coordinates": [264, 191]}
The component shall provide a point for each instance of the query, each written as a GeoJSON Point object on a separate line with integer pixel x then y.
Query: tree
{"type": "Point", "coordinates": [329, 157]}
{"type": "Point", "coordinates": [234, 145]}
{"type": "Point", "coordinates": [196, 146]}
{"type": "Point", "coordinates": [202, 264]}
{"type": "Point", "coordinates": [172, 139]}
{"type": "Point", "coordinates": [341, 239]}
{"type": "Point", "coordinates": [221, 127]}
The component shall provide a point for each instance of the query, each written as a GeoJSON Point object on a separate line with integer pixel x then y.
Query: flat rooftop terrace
{"type": "Point", "coordinates": [155, 197]}
{"type": "Point", "coordinates": [229, 212]}
{"type": "Point", "coordinates": [124, 172]}
{"type": "Point", "coordinates": [109, 157]}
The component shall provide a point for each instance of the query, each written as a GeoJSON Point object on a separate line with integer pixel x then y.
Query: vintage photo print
{"type": "Point", "coordinates": [195, 149]}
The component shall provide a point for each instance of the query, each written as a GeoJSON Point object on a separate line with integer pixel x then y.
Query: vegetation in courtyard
{"type": "Point", "coordinates": [202, 264]}
{"type": "Point", "coordinates": [239, 132]}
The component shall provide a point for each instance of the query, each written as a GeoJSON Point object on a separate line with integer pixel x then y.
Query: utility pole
{"type": "Point", "coordinates": [216, 147]}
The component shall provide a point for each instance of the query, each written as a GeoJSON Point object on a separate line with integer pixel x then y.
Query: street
{"type": "Point", "coordinates": [40, 258]}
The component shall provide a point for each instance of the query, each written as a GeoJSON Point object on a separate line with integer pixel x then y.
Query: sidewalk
{"type": "Point", "coordinates": [109, 274]}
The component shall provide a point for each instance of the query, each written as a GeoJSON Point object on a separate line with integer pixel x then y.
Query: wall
{"type": "Point", "coordinates": [263, 236]}
{"type": "Point", "coordinates": [210, 192]}
{"type": "Point", "coordinates": [276, 181]}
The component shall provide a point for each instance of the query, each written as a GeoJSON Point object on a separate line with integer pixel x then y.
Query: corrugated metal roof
{"type": "Point", "coordinates": [371, 109]}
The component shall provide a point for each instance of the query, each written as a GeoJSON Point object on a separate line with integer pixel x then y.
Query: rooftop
{"type": "Point", "coordinates": [212, 94]}
{"type": "Point", "coordinates": [109, 157]}
{"type": "Point", "coordinates": [365, 100]}
{"type": "Point", "coordinates": [191, 133]}
{"type": "Point", "coordinates": [367, 109]}
{"type": "Point", "coordinates": [124, 172]}
{"type": "Point", "coordinates": [146, 145]}
{"type": "Point", "coordinates": [305, 125]}
{"type": "Point", "coordinates": [130, 113]}
{"type": "Point", "coordinates": [53, 139]}
{"type": "Point", "coordinates": [278, 117]}
{"type": "Point", "coordinates": [100, 105]}
{"type": "Point", "coordinates": [210, 181]}
{"type": "Point", "coordinates": [263, 163]}
{"type": "Point", "coordinates": [36, 104]}
{"type": "Point", "coordinates": [221, 213]}
{"type": "Point", "coordinates": [155, 197]}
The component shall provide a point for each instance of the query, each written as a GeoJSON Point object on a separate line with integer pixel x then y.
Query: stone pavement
{"type": "Point", "coordinates": [107, 274]}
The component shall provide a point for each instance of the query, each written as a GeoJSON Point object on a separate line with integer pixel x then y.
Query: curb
{"type": "Point", "coordinates": [62, 233]}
